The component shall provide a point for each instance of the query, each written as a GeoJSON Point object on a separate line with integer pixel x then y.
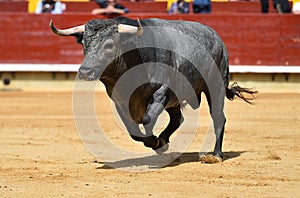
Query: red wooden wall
{"type": "Point", "coordinates": [147, 6]}
{"type": "Point", "coordinates": [252, 39]}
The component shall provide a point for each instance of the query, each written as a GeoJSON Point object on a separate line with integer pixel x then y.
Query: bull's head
{"type": "Point", "coordinates": [98, 43]}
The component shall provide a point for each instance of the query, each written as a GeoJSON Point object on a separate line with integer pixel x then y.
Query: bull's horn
{"type": "Point", "coordinates": [123, 28]}
{"type": "Point", "coordinates": [66, 32]}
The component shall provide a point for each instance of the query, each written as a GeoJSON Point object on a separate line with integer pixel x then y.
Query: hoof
{"type": "Point", "coordinates": [161, 147]}
{"type": "Point", "coordinates": [161, 150]}
{"type": "Point", "coordinates": [210, 159]}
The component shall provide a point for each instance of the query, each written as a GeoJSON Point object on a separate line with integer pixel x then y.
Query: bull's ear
{"type": "Point", "coordinates": [78, 36]}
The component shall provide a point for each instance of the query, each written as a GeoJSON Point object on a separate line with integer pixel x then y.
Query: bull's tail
{"type": "Point", "coordinates": [246, 94]}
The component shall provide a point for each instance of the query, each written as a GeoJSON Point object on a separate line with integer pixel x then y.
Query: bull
{"type": "Point", "coordinates": [178, 56]}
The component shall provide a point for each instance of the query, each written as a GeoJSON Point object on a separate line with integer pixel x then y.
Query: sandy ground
{"type": "Point", "coordinates": [43, 156]}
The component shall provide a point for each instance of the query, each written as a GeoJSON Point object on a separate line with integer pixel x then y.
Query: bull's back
{"type": "Point", "coordinates": [204, 37]}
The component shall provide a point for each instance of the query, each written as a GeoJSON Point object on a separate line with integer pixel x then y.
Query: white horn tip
{"type": "Point", "coordinates": [123, 28]}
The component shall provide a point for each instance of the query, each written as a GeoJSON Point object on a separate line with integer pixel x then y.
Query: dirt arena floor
{"type": "Point", "coordinates": [43, 156]}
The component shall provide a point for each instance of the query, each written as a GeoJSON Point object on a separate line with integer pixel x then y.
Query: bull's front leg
{"type": "Point", "coordinates": [154, 109]}
{"type": "Point", "coordinates": [132, 128]}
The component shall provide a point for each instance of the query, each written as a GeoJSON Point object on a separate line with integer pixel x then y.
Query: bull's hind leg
{"type": "Point", "coordinates": [176, 119]}
{"type": "Point", "coordinates": [216, 111]}
{"type": "Point", "coordinates": [154, 109]}
{"type": "Point", "coordinates": [156, 106]}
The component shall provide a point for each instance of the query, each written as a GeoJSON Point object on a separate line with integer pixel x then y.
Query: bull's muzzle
{"type": "Point", "coordinates": [88, 73]}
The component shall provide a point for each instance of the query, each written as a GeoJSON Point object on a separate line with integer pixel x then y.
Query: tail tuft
{"type": "Point", "coordinates": [246, 94]}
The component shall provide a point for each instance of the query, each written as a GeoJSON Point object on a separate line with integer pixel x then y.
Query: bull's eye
{"type": "Point", "coordinates": [108, 45]}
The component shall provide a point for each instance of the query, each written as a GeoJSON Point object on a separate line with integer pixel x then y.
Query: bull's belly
{"type": "Point", "coordinates": [142, 97]}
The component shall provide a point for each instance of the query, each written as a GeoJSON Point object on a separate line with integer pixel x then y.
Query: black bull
{"type": "Point", "coordinates": [170, 63]}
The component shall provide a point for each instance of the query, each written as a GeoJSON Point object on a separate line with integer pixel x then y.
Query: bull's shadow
{"type": "Point", "coordinates": [152, 162]}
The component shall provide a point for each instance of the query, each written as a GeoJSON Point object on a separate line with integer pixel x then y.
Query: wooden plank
{"type": "Point", "coordinates": [144, 6]}
{"type": "Point", "coordinates": [251, 39]}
